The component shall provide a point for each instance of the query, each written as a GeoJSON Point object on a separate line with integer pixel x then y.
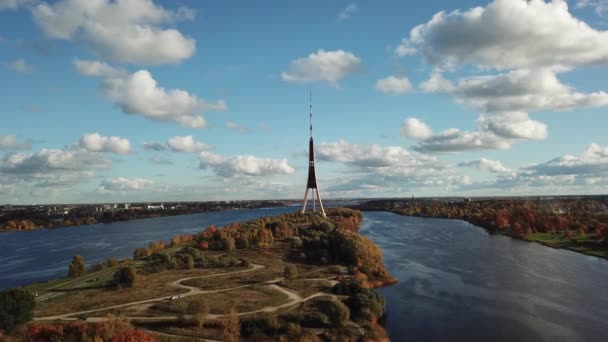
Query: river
{"type": "Point", "coordinates": [457, 282]}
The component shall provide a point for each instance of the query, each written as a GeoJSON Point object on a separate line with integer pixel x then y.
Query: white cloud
{"type": "Point", "coordinates": [514, 125]}
{"type": "Point", "coordinates": [124, 184]}
{"type": "Point", "coordinates": [94, 142]}
{"type": "Point", "coordinates": [523, 90]}
{"type": "Point", "coordinates": [376, 158]}
{"type": "Point", "coordinates": [139, 94]}
{"type": "Point", "coordinates": [123, 31]}
{"type": "Point", "coordinates": [494, 166]}
{"type": "Point", "coordinates": [509, 34]}
{"type": "Point", "coordinates": [594, 160]}
{"type": "Point", "coordinates": [13, 4]}
{"type": "Point", "coordinates": [415, 128]}
{"type": "Point", "coordinates": [237, 127]}
{"type": "Point", "coordinates": [437, 83]}
{"type": "Point", "coordinates": [21, 66]}
{"type": "Point", "coordinates": [186, 144]}
{"type": "Point", "coordinates": [52, 167]}
{"type": "Point", "coordinates": [97, 68]}
{"type": "Point", "coordinates": [455, 140]}
{"type": "Point", "coordinates": [322, 66]}
{"type": "Point", "coordinates": [10, 142]}
{"type": "Point", "coordinates": [243, 165]}
{"type": "Point", "coordinates": [348, 11]}
{"type": "Point", "coordinates": [599, 6]}
{"type": "Point", "coordinates": [394, 85]}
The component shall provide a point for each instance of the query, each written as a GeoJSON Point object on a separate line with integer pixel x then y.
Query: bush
{"type": "Point", "coordinates": [112, 262]}
{"type": "Point", "coordinates": [338, 313]}
{"type": "Point", "coordinates": [125, 277]}
{"type": "Point", "coordinates": [228, 244]}
{"type": "Point", "coordinates": [295, 242]}
{"type": "Point", "coordinates": [76, 268]}
{"type": "Point", "coordinates": [16, 308]}
{"type": "Point", "coordinates": [366, 304]}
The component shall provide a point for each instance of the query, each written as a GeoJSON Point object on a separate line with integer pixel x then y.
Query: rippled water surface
{"type": "Point", "coordinates": [459, 283]}
{"type": "Point", "coordinates": [26, 257]}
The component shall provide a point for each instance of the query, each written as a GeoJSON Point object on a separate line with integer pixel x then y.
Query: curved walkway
{"type": "Point", "coordinates": [294, 298]}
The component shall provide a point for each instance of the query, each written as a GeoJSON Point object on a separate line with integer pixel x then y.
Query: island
{"type": "Point", "coordinates": [293, 277]}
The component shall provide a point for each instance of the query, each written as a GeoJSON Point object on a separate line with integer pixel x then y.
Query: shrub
{"type": "Point", "coordinates": [295, 242]}
{"type": "Point", "coordinates": [228, 244]}
{"type": "Point", "coordinates": [125, 277]}
{"type": "Point", "coordinates": [366, 304]}
{"type": "Point", "coordinates": [16, 308]}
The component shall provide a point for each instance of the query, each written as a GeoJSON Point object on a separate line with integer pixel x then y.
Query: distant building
{"type": "Point", "coordinates": [155, 207]}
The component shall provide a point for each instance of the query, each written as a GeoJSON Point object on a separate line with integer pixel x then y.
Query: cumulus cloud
{"type": "Point", "coordinates": [10, 142]}
{"type": "Point", "coordinates": [243, 165]}
{"type": "Point", "coordinates": [123, 31]}
{"type": "Point", "coordinates": [186, 144]}
{"type": "Point", "coordinates": [237, 127]}
{"type": "Point", "coordinates": [322, 66]}
{"type": "Point", "coordinates": [139, 94]}
{"type": "Point", "coordinates": [514, 125]}
{"type": "Point", "coordinates": [21, 66]}
{"type": "Point", "coordinates": [490, 165]}
{"type": "Point", "coordinates": [94, 142]}
{"type": "Point", "coordinates": [52, 167]}
{"type": "Point", "coordinates": [415, 128]}
{"type": "Point", "coordinates": [383, 160]}
{"type": "Point", "coordinates": [348, 11]}
{"type": "Point", "coordinates": [124, 184]}
{"type": "Point", "coordinates": [508, 34]}
{"type": "Point", "coordinates": [593, 160]}
{"type": "Point", "coordinates": [455, 140]}
{"type": "Point", "coordinates": [97, 69]}
{"type": "Point", "coordinates": [394, 85]}
{"type": "Point", "coordinates": [519, 90]}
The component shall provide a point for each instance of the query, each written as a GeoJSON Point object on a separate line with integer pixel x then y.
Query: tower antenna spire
{"type": "Point", "coordinates": [310, 99]}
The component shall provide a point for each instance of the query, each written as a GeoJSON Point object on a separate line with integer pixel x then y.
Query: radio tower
{"type": "Point", "coordinates": [311, 184]}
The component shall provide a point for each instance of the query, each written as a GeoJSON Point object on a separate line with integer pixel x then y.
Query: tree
{"type": "Point", "coordinates": [290, 272]}
{"type": "Point", "coordinates": [189, 262]}
{"type": "Point", "coordinates": [231, 325]}
{"type": "Point", "coordinates": [76, 268]}
{"type": "Point", "coordinates": [133, 336]}
{"type": "Point", "coordinates": [125, 276]}
{"type": "Point", "coordinates": [199, 309]}
{"type": "Point", "coordinates": [16, 308]}
{"type": "Point", "coordinates": [228, 244]}
{"type": "Point", "coordinates": [338, 313]}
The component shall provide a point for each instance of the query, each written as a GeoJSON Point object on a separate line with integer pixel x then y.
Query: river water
{"type": "Point", "coordinates": [457, 282]}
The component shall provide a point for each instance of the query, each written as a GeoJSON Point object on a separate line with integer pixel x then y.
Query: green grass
{"type": "Point", "coordinates": [579, 243]}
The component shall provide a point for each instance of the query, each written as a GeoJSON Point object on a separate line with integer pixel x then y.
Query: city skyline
{"type": "Point", "coordinates": [160, 101]}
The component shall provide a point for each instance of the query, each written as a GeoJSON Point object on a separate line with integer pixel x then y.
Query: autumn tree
{"type": "Point", "coordinates": [77, 267]}
{"type": "Point", "coordinates": [199, 309]}
{"type": "Point", "coordinates": [231, 325]}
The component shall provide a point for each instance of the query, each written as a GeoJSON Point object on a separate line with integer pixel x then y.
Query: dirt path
{"type": "Point", "coordinates": [294, 298]}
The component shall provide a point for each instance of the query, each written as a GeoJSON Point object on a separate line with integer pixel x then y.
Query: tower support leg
{"type": "Point", "coordinates": [305, 200]}
{"type": "Point", "coordinates": [320, 203]}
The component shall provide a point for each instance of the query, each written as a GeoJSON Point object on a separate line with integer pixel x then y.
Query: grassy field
{"type": "Point", "coordinates": [306, 288]}
{"type": "Point", "coordinates": [578, 243]}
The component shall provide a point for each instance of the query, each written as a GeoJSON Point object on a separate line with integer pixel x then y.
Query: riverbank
{"type": "Point", "coordinates": [24, 222]}
{"type": "Point", "coordinates": [578, 226]}
{"type": "Point", "coordinates": [291, 275]}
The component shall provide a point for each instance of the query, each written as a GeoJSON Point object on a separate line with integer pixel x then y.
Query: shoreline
{"type": "Point", "coordinates": [507, 234]}
{"type": "Point", "coordinates": [2, 230]}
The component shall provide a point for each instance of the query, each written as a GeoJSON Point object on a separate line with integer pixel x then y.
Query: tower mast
{"type": "Point", "coordinates": [311, 184]}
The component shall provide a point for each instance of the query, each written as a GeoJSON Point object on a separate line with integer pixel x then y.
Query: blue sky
{"type": "Point", "coordinates": [147, 100]}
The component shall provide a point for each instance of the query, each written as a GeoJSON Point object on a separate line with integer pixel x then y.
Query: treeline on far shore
{"type": "Point", "coordinates": [579, 224]}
